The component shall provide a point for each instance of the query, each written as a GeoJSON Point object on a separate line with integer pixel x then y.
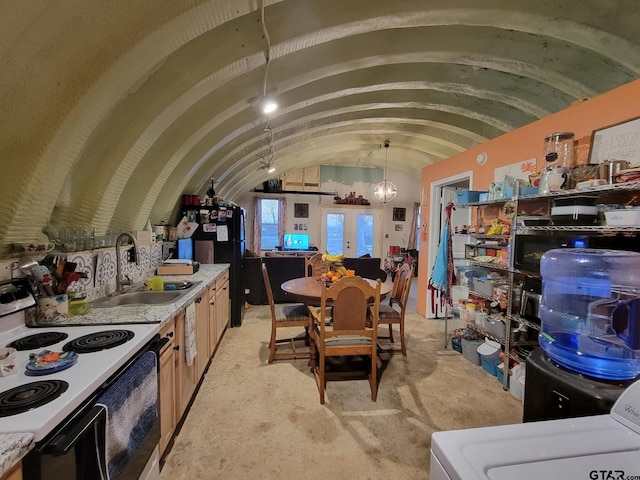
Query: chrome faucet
{"type": "Point", "coordinates": [120, 282]}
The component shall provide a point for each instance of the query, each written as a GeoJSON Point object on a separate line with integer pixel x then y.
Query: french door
{"type": "Point", "coordinates": [352, 231]}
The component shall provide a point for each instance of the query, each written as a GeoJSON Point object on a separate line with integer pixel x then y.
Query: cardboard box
{"type": "Point", "coordinates": [178, 269]}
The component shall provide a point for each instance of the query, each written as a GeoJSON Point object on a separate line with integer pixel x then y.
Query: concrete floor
{"type": "Point", "coordinates": [254, 420]}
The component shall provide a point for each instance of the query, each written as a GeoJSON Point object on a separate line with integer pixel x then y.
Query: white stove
{"type": "Point", "coordinates": [596, 447]}
{"type": "Point", "coordinates": [84, 377]}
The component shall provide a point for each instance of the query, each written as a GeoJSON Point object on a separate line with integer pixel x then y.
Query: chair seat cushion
{"type": "Point", "coordinates": [347, 340]}
{"type": "Point", "coordinates": [387, 312]}
{"type": "Point", "coordinates": [291, 312]}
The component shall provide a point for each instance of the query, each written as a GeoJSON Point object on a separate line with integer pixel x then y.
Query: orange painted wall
{"type": "Point", "coordinates": [522, 144]}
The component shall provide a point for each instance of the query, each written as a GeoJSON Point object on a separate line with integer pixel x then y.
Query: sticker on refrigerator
{"type": "Point", "coordinates": [222, 215]}
{"type": "Point", "coordinates": [209, 227]}
{"type": "Point", "coordinates": [229, 213]}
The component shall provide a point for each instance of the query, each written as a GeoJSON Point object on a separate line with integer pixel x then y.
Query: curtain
{"type": "Point", "coordinates": [257, 215]}
{"type": "Point", "coordinates": [257, 222]}
{"type": "Point", "coordinates": [412, 242]}
{"type": "Point", "coordinates": [282, 216]}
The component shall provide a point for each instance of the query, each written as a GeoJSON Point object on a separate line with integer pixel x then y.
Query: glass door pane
{"type": "Point", "coordinates": [335, 233]}
{"type": "Point", "coordinates": [364, 235]}
{"type": "Point", "coordinates": [354, 232]}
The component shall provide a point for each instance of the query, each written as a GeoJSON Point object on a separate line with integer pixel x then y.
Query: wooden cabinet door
{"type": "Point", "coordinates": [202, 333]}
{"type": "Point", "coordinates": [223, 308]}
{"type": "Point", "coordinates": [213, 322]}
{"type": "Point", "coordinates": [14, 474]}
{"type": "Point", "coordinates": [185, 374]}
{"type": "Point", "coordinates": [167, 408]}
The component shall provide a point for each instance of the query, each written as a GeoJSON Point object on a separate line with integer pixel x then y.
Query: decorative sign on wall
{"type": "Point", "coordinates": [301, 210]}
{"type": "Point", "coordinates": [399, 214]}
{"type": "Point", "coordinates": [617, 142]}
{"type": "Point", "coordinates": [519, 170]}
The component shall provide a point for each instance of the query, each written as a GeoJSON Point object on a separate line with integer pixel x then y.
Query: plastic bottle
{"type": "Point", "coordinates": [471, 312]}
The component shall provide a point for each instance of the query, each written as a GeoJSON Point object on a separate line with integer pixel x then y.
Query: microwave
{"type": "Point", "coordinates": [528, 249]}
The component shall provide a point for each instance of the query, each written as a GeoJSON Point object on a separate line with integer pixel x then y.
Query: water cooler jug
{"type": "Point", "coordinates": [590, 311]}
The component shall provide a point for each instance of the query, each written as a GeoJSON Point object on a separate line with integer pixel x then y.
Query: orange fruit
{"type": "Point", "coordinates": [330, 274]}
{"type": "Point", "coordinates": [335, 279]}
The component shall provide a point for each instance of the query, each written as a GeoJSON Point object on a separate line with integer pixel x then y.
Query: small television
{"type": "Point", "coordinates": [295, 241]}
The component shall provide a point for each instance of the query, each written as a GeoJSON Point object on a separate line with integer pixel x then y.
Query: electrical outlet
{"type": "Point", "coordinates": [386, 235]}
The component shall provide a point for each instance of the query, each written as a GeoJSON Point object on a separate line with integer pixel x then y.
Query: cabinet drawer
{"type": "Point", "coordinates": [222, 279]}
{"type": "Point", "coordinates": [169, 331]}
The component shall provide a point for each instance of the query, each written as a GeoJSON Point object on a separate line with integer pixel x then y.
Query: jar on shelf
{"type": "Point", "coordinates": [558, 150]}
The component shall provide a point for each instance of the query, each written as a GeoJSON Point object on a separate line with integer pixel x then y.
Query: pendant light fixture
{"type": "Point", "coordinates": [385, 191]}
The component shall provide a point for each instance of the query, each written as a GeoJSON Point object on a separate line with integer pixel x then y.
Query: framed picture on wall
{"type": "Point", "coordinates": [620, 141]}
{"type": "Point", "coordinates": [301, 210]}
{"type": "Point", "coordinates": [399, 214]}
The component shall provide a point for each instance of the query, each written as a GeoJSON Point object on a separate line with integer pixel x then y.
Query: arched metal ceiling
{"type": "Point", "coordinates": [109, 111]}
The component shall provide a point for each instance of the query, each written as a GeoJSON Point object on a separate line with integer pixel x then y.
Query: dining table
{"type": "Point", "coordinates": [308, 290]}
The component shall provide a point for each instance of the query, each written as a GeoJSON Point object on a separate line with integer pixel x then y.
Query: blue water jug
{"type": "Point", "coordinates": [590, 311]}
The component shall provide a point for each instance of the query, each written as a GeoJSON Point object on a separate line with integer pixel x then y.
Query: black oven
{"type": "Point", "coordinates": [114, 433]}
{"type": "Point", "coordinates": [528, 249]}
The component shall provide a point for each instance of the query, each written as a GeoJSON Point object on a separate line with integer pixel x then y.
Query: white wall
{"type": "Point", "coordinates": [408, 194]}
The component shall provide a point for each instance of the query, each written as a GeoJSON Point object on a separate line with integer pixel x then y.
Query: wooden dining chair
{"type": "Point", "coordinates": [314, 266]}
{"type": "Point", "coordinates": [393, 313]}
{"type": "Point", "coordinates": [286, 315]}
{"type": "Point", "coordinates": [348, 334]}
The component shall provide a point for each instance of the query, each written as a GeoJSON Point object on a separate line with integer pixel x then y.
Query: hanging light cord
{"type": "Point", "coordinates": [267, 53]}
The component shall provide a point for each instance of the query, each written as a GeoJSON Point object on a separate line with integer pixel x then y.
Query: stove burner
{"type": "Point", "coordinates": [38, 340]}
{"type": "Point", "coordinates": [30, 395]}
{"type": "Point", "coordinates": [95, 342]}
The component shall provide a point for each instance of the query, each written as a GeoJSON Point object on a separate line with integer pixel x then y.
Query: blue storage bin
{"type": "Point", "coordinates": [466, 196]}
{"type": "Point", "coordinates": [500, 375]}
{"type": "Point", "coordinates": [488, 365]}
{"type": "Point", "coordinates": [524, 191]}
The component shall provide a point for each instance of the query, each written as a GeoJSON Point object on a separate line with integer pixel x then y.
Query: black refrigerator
{"type": "Point", "coordinates": [220, 238]}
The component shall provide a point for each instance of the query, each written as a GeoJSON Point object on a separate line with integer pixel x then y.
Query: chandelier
{"type": "Point", "coordinates": [385, 191]}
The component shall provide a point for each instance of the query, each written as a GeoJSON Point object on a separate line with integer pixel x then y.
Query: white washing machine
{"type": "Point", "coordinates": [596, 447]}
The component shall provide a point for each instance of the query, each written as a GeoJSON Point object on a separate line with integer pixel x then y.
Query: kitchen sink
{"type": "Point", "coordinates": [137, 298]}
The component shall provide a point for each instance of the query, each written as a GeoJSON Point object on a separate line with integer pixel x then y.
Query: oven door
{"type": "Point", "coordinates": [113, 435]}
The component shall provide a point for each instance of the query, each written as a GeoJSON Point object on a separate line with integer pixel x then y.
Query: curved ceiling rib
{"type": "Point", "coordinates": [116, 109]}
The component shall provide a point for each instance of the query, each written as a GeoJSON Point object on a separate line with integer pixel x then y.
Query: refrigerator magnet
{"type": "Point", "coordinates": [209, 227]}
{"type": "Point", "coordinates": [229, 213]}
{"type": "Point", "coordinates": [222, 216]}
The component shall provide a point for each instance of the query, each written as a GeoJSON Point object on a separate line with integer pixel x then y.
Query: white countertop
{"type": "Point", "coordinates": [14, 446]}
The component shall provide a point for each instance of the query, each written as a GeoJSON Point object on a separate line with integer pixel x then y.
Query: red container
{"type": "Point", "coordinates": [394, 250]}
{"type": "Point", "coordinates": [186, 199]}
{"type": "Point", "coordinates": [195, 200]}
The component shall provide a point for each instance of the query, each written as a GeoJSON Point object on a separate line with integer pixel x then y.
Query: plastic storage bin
{"type": "Point", "coordinates": [495, 327]}
{"type": "Point", "coordinates": [488, 365]}
{"type": "Point", "coordinates": [456, 344]}
{"type": "Point", "coordinates": [489, 352]}
{"type": "Point", "coordinates": [470, 350]}
{"type": "Point", "coordinates": [500, 374]}
{"type": "Point", "coordinates": [590, 311]}
{"type": "Point", "coordinates": [466, 196]}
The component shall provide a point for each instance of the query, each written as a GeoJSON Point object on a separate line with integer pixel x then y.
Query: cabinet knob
{"type": "Point", "coordinates": [198, 300]}
{"type": "Point", "coordinates": [169, 334]}
{"type": "Point", "coordinates": [177, 347]}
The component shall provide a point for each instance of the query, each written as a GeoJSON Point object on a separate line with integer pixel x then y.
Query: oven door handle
{"type": "Point", "coordinates": [63, 442]}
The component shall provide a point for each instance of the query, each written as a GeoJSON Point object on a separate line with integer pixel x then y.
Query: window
{"type": "Point", "coordinates": [269, 223]}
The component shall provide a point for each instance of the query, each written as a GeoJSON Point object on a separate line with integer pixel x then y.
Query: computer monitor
{"type": "Point", "coordinates": [295, 241]}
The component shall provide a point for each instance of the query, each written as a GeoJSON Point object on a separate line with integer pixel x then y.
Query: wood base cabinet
{"type": "Point", "coordinates": [168, 411]}
{"type": "Point", "coordinates": [14, 474]}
